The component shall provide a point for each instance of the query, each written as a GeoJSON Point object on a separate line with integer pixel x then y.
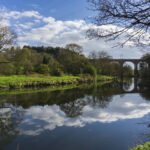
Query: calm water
{"type": "Point", "coordinates": [109, 117]}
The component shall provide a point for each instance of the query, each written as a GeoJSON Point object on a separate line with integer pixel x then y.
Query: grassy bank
{"type": "Point", "coordinates": [17, 82]}
{"type": "Point", "coordinates": [51, 88]}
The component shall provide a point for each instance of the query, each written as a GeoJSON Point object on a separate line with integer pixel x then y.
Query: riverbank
{"type": "Point", "coordinates": [19, 82]}
{"type": "Point", "coordinates": [4, 92]}
{"type": "Point", "coordinates": [145, 146]}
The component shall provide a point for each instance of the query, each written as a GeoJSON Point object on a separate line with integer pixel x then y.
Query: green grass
{"type": "Point", "coordinates": [34, 81]}
{"type": "Point", "coordinates": [14, 82]}
{"type": "Point", "coordinates": [146, 146]}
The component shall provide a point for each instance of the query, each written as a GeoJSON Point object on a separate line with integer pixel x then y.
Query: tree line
{"type": "Point", "coordinates": [57, 61]}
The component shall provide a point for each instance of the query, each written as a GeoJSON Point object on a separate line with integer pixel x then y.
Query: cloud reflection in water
{"type": "Point", "coordinates": [40, 118]}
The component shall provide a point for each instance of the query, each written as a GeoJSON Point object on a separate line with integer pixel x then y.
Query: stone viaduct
{"type": "Point", "coordinates": [134, 61]}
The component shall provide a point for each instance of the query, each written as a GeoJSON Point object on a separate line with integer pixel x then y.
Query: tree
{"type": "Point", "coordinates": [146, 57]}
{"type": "Point", "coordinates": [74, 47]}
{"type": "Point", "coordinates": [145, 70]}
{"type": "Point", "coordinates": [127, 71]}
{"type": "Point", "coordinates": [127, 19]}
{"type": "Point", "coordinates": [142, 147]}
{"type": "Point", "coordinates": [23, 61]}
{"type": "Point", "coordinates": [101, 60]}
{"type": "Point", "coordinates": [103, 55]}
{"type": "Point", "coordinates": [93, 55]}
{"type": "Point", "coordinates": [7, 36]}
{"type": "Point", "coordinates": [43, 69]}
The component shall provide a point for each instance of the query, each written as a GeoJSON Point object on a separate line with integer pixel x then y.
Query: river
{"type": "Point", "coordinates": [90, 117]}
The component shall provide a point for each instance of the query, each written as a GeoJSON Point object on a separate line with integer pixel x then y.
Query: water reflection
{"type": "Point", "coordinates": [129, 85]}
{"type": "Point", "coordinates": [81, 112]}
{"type": "Point", "coordinates": [41, 113]}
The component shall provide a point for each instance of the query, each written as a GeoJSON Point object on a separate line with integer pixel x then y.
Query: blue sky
{"type": "Point", "coordinates": [59, 9]}
{"type": "Point", "coordinates": [57, 23]}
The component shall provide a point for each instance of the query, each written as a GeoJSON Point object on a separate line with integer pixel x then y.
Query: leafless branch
{"type": "Point", "coordinates": [130, 17]}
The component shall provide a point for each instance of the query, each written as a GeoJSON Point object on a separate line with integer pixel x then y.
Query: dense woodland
{"type": "Point", "coordinates": [57, 62]}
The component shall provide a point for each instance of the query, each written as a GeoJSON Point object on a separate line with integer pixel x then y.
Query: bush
{"type": "Point", "coordinates": [57, 72]}
{"type": "Point", "coordinates": [7, 69]}
{"type": "Point", "coordinates": [90, 70]}
{"type": "Point", "coordinates": [146, 146]}
{"type": "Point", "coordinates": [19, 70]}
{"type": "Point", "coordinates": [43, 69]}
{"type": "Point", "coordinates": [145, 73]}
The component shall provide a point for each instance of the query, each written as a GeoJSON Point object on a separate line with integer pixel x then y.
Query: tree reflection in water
{"type": "Point", "coordinates": [32, 114]}
{"type": "Point", "coordinates": [10, 118]}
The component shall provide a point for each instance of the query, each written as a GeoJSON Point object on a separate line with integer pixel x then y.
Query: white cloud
{"type": "Point", "coordinates": [34, 28]}
{"type": "Point", "coordinates": [17, 14]}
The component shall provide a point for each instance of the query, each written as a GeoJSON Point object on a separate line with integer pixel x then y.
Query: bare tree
{"type": "Point", "coordinates": [103, 55]}
{"type": "Point", "coordinates": [75, 48]}
{"type": "Point", "coordinates": [99, 55]}
{"type": "Point", "coordinates": [125, 19]}
{"type": "Point", "coordinates": [93, 55]}
{"type": "Point", "coordinates": [7, 37]}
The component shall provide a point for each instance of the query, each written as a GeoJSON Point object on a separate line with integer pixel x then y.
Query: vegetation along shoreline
{"type": "Point", "coordinates": [22, 81]}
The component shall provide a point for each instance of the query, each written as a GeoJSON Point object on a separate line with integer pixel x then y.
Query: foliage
{"type": "Point", "coordinates": [101, 61]}
{"type": "Point", "coordinates": [146, 58]}
{"type": "Point", "coordinates": [146, 146]}
{"type": "Point", "coordinates": [128, 71]}
{"type": "Point", "coordinates": [91, 70]}
{"type": "Point", "coordinates": [7, 69]}
{"type": "Point", "coordinates": [43, 69]}
{"type": "Point", "coordinates": [145, 69]}
{"type": "Point", "coordinates": [72, 62]}
{"type": "Point", "coordinates": [57, 72]}
{"type": "Point", "coordinates": [54, 62]}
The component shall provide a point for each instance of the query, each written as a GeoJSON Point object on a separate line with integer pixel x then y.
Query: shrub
{"type": "Point", "coordinates": [146, 146]}
{"type": "Point", "coordinates": [90, 70]}
{"type": "Point", "coordinates": [57, 72]}
{"type": "Point", "coordinates": [19, 70]}
{"type": "Point", "coordinates": [43, 69]}
{"type": "Point", "coordinates": [7, 69]}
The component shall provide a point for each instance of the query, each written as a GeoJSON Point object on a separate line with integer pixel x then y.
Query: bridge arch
{"type": "Point", "coordinates": [131, 87]}
{"type": "Point", "coordinates": [134, 61]}
{"type": "Point", "coordinates": [128, 64]}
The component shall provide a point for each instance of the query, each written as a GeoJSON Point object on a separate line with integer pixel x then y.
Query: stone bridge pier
{"type": "Point", "coordinates": [134, 61]}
